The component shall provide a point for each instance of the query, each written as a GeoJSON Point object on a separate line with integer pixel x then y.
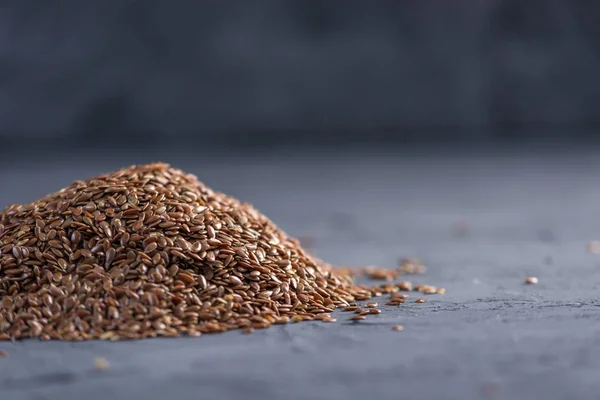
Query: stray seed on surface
{"type": "Point", "coordinates": [372, 304]}
{"type": "Point", "coordinates": [100, 364]}
{"type": "Point", "coordinates": [531, 280]}
{"type": "Point", "coordinates": [419, 300]}
{"type": "Point", "coordinates": [4, 354]}
{"type": "Point", "coordinates": [397, 328]}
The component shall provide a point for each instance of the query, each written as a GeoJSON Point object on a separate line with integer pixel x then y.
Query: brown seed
{"type": "Point", "coordinates": [4, 354]}
{"type": "Point", "coordinates": [531, 280]}
{"type": "Point", "coordinates": [235, 280]}
{"type": "Point", "coordinates": [419, 300]}
{"type": "Point", "coordinates": [397, 328]}
{"type": "Point", "coordinates": [372, 304]}
{"type": "Point", "coordinates": [426, 289]}
{"type": "Point", "coordinates": [150, 247]}
{"type": "Point", "coordinates": [187, 278]}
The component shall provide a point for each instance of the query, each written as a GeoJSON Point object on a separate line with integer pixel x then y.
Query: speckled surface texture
{"type": "Point", "coordinates": [490, 336]}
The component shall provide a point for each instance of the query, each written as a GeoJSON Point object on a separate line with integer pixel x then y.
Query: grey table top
{"type": "Point", "coordinates": [490, 336]}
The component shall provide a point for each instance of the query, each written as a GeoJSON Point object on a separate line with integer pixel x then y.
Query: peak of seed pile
{"type": "Point", "coordinates": [150, 251]}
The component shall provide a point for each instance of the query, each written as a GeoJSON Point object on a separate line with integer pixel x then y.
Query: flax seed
{"type": "Point", "coordinates": [100, 364]}
{"type": "Point", "coordinates": [150, 251]}
{"type": "Point", "coordinates": [531, 280]}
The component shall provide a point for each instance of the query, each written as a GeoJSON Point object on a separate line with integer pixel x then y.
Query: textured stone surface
{"type": "Point", "coordinates": [490, 336]}
{"type": "Point", "coordinates": [230, 69]}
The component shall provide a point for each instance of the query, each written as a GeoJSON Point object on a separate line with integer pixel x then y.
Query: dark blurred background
{"type": "Point", "coordinates": [193, 74]}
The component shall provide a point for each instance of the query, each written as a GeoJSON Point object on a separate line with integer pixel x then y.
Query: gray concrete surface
{"type": "Point", "coordinates": [490, 336]}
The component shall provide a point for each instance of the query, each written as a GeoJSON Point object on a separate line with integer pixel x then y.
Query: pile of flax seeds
{"type": "Point", "coordinates": [150, 251]}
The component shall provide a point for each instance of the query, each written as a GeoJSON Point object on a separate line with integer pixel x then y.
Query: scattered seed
{"type": "Point", "coordinates": [379, 273]}
{"type": "Point", "coordinates": [397, 328]}
{"type": "Point", "coordinates": [100, 364]}
{"type": "Point", "coordinates": [426, 289]}
{"type": "Point", "coordinates": [4, 354]}
{"type": "Point", "coordinates": [531, 280]}
{"type": "Point", "coordinates": [419, 300]}
{"type": "Point", "coordinates": [372, 304]}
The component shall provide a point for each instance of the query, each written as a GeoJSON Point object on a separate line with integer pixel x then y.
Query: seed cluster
{"type": "Point", "coordinates": [150, 251]}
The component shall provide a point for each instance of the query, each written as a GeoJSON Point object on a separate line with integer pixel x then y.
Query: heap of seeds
{"type": "Point", "coordinates": [150, 251]}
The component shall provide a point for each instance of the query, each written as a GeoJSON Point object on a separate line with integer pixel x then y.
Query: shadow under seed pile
{"type": "Point", "coordinates": [150, 251]}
